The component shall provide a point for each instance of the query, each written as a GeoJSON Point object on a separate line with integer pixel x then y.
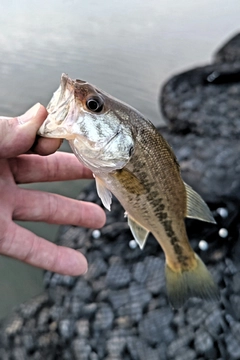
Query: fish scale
{"type": "Point", "coordinates": [130, 159]}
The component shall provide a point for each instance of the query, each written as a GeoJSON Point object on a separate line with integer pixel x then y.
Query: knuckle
{"type": "Point", "coordinates": [53, 206]}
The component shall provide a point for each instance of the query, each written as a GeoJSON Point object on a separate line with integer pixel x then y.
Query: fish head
{"type": "Point", "coordinates": [93, 122]}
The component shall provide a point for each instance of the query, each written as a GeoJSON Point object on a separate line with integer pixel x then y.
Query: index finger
{"type": "Point", "coordinates": [56, 167]}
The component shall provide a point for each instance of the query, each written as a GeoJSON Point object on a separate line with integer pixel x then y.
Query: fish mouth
{"type": "Point", "coordinates": [61, 110]}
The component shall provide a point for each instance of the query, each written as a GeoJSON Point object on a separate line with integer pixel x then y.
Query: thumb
{"type": "Point", "coordinates": [18, 134]}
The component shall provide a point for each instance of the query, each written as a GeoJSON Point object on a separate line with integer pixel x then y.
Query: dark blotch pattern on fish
{"type": "Point", "coordinates": [167, 224]}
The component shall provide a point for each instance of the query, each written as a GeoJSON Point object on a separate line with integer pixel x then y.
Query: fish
{"type": "Point", "coordinates": [130, 159]}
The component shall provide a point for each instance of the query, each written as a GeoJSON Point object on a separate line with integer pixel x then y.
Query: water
{"type": "Point", "coordinates": [129, 48]}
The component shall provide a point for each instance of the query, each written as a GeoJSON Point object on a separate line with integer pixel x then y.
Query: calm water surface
{"type": "Point", "coordinates": [129, 48]}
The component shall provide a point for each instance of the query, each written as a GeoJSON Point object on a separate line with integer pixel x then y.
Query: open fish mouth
{"type": "Point", "coordinates": [62, 112]}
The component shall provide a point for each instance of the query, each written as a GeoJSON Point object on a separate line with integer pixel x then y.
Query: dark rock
{"type": "Point", "coordinates": [155, 275]}
{"type": "Point", "coordinates": [229, 52]}
{"type": "Point", "coordinates": [214, 177]}
{"type": "Point", "coordinates": [93, 356]}
{"type": "Point", "coordinates": [83, 328]}
{"type": "Point", "coordinates": [34, 306]}
{"type": "Point", "coordinates": [235, 283]}
{"type": "Point", "coordinates": [233, 347]}
{"type": "Point", "coordinates": [66, 328]}
{"type": "Point", "coordinates": [96, 268]}
{"type": "Point", "coordinates": [203, 109]}
{"type": "Point", "coordinates": [88, 310]}
{"type": "Point", "coordinates": [235, 304]}
{"type": "Point", "coordinates": [139, 272]}
{"type": "Point", "coordinates": [132, 347]}
{"type": "Point", "coordinates": [196, 316]}
{"type": "Point", "coordinates": [28, 342]}
{"type": "Point", "coordinates": [44, 317]}
{"type": "Point", "coordinates": [139, 294]}
{"type": "Point", "coordinates": [82, 290]}
{"type": "Point", "coordinates": [118, 276]}
{"type": "Point", "coordinates": [182, 341]}
{"type": "Point", "coordinates": [13, 325]}
{"type": "Point", "coordinates": [186, 354]}
{"type": "Point", "coordinates": [115, 346]}
{"type": "Point", "coordinates": [155, 325]}
{"type": "Point", "coordinates": [204, 344]}
{"type": "Point", "coordinates": [104, 318]}
{"type": "Point", "coordinates": [146, 352]}
{"type": "Point", "coordinates": [119, 298]}
{"type": "Point", "coordinates": [214, 322]}
{"type": "Point", "coordinates": [19, 353]}
{"type": "Point", "coordinates": [81, 349]}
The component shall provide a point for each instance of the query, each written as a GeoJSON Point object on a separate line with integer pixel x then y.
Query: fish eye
{"type": "Point", "coordinates": [95, 104]}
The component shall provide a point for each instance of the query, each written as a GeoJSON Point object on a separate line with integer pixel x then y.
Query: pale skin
{"type": "Point", "coordinates": [23, 160]}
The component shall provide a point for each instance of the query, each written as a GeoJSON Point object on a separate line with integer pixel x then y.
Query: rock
{"type": "Point", "coordinates": [212, 168]}
{"type": "Point", "coordinates": [139, 272]}
{"type": "Point", "coordinates": [104, 318]}
{"type": "Point", "coordinates": [96, 268]}
{"type": "Point", "coordinates": [155, 275]}
{"type": "Point", "coordinates": [34, 306]}
{"type": "Point", "coordinates": [204, 344]}
{"type": "Point", "coordinates": [155, 325]}
{"type": "Point", "coordinates": [229, 52]}
{"type": "Point", "coordinates": [119, 298]}
{"type": "Point", "coordinates": [233, 347]}
{"type": "Point", "coordinates": [66, 328]}
{"type": "Point", "coordinates": [139, 294]}
{"type": "Point", "coordinates": [203, 109]}
{"type": "Point", "coordinates": [19, 353]}
{"type": "Point", "coordinates": [206, 115]}
{"type": "Point", "coordinates": [83, 328]}
{"type": "Point", "coordinates": [118, 276]}
{"type": "Point", "coordinates": [81, 349]}
{"type": "Point", "coordinates": [182, 341]}
{"type": "Point", "coordinates": [28, 342]}
{"type": "Point", "coordinates": [214, 322]}
{"type": "Point", "coordinates": [115, 346]}
{"type": "Point", "coordinates": [195, 316]}
{"type": "Point", "coordinates": [186, 354]}
{"type": "Point", "coordinates": [13, 325]}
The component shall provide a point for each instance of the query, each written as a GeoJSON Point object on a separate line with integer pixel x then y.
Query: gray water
{"type": "Point", "coordinates": [129, 48]}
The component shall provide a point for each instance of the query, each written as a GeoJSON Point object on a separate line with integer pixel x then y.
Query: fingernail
{"type": "Point", "coordinates": [30, 114]}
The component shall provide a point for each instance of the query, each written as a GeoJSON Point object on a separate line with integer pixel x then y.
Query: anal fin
{"type": "Point", "coordinates": [140, 234]}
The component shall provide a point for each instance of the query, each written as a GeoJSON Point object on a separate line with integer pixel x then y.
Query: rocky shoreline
{"type": "Point", "coordinates": [119, 309]}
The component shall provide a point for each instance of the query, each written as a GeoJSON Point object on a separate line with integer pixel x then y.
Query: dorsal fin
{"type": "Point", "coordinates": [196, 206]}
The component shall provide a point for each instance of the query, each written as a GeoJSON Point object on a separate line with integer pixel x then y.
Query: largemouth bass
{"type": "Point", "coordinates": [131, 160]}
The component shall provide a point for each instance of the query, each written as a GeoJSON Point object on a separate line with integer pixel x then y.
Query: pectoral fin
{"type": "Point", "coordinates": [196, 206]}
{"type": "Point", "coordinates": [104, 194]}
{"type": "Point", "coordinates": [140, 234]}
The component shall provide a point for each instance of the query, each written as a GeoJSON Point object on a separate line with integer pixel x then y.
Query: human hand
{"type": "Point", "coordinates": [18, 137]}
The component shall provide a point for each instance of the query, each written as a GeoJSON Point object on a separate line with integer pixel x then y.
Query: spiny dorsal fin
{"type": "Point", "coordinates": [140, 234]}
{"type": "Point", "coordinates": [104, 194]}
{"type": "Point", "coordinates": [196, 206]}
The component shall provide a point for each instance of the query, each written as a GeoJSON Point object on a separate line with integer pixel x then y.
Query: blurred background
{"type": "Point", "coordinates": [129, 48]}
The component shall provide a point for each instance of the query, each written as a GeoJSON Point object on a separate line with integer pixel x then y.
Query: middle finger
{"type": "Point", "coordinates": [32, 205]}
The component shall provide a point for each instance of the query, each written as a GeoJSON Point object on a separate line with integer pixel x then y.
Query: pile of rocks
{"type": "Point", "coordinates": [119, 309]}
{"type": "Point", "coordinates": [202, 109]}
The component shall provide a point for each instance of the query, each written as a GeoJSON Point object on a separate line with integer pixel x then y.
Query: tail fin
{"type": "Point", "coordinates": [196, 282]}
